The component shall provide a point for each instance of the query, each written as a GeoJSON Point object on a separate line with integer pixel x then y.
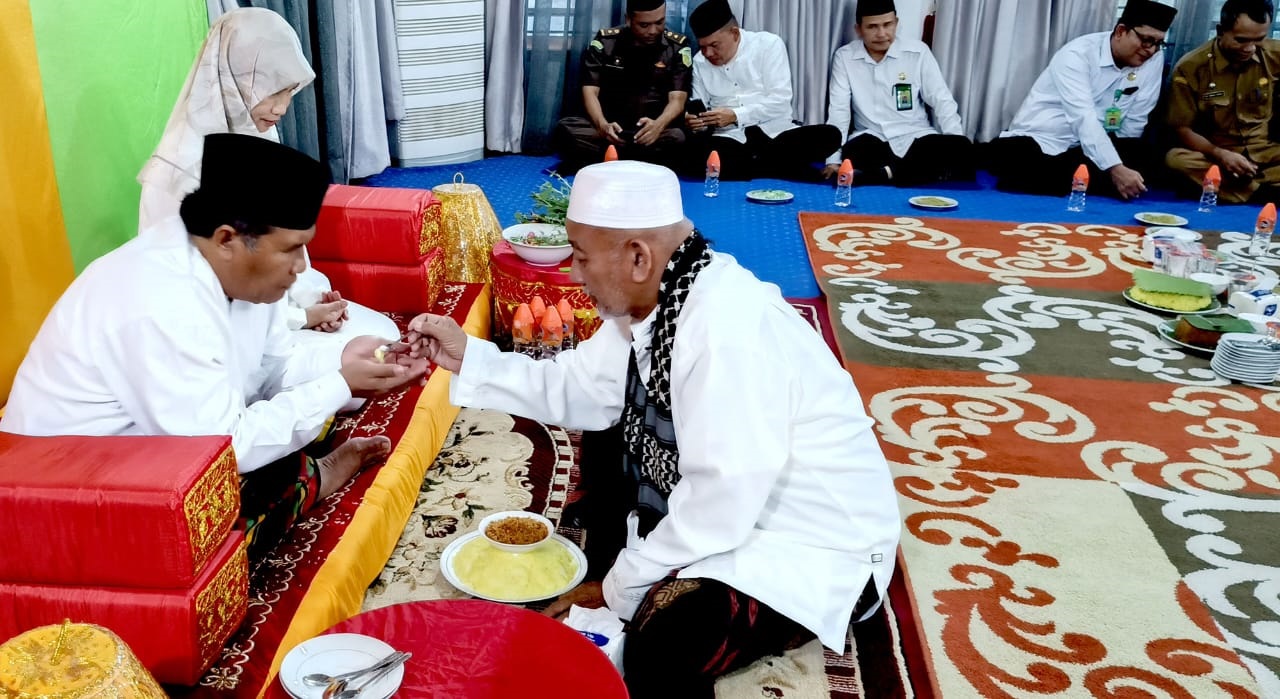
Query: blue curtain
{"type": "Point", "coordinates": [556, 34]}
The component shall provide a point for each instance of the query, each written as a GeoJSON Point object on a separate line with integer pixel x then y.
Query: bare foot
{"type": "Point", "coordinates": [339, 465]}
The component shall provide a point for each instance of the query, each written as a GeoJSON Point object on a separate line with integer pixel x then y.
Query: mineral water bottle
{"type": "Point", "coordinates": [1079, 186]}
{"type": "Point", "coordinates": [711, 187]}
{"type": "Point", "coordinates": [844, 184]}
{"type": "Point", "coordinates": [1261, 240]}
{"type": "Point", "coordinates": [1209, 195]}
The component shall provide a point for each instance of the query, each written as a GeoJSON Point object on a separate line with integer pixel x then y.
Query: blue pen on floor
{"type": "Point", "coordinates": [598, 639]}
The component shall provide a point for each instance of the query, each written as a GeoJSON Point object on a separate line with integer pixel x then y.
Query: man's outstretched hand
{"type": "Point", "coordinates": [439, 339]}
{"type": "Point", "coordinates": [366, 375]}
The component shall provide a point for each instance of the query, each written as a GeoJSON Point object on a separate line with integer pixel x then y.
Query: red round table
{"type": "Point", "coordinates": [471, 649]}
{"type": "Point", "coordinates": [515, 281]}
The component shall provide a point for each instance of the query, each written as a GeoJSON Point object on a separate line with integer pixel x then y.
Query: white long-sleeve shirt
{"type": "Point", "coordinates": [784, 492]}
{"type": "Point", "coordinates": [756, 85]}
{"type": "Point", "coordinates": [1067, 104]}
{"type": "Point", "coordinates": [144, 342]}
{"type": "Point", "coordinates": [864, 89]}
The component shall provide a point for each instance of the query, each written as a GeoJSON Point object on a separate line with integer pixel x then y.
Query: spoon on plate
{"type": "Point", "coordinates": [319, 679]}
{"type": "Point", "coordinates": [338, 688]}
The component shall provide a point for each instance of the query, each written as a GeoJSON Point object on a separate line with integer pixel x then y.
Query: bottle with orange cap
{"type": "Point", "coordinates": [522, 330]}
{"type": "Point", "coordinates": [552, 333]}
{"type": "Point", "coordinates": [1209, 194]}
{"type": "Point", "coordinates": [711, 187]}
{"type": "Point", "coordinates": [566, 319]}
{"type": "Point", "coordinates": [1260, 243]}
{"type": "Point", "coordinates": [610, 154]}
{"type": "Point", "coordinates": [1079, 187]}
{"type": "Point", "coordinates": [844, 183]}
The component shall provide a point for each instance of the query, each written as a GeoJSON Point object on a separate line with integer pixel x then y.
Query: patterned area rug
{"type": "Point", "coordinates": [492, 461]}
{"type": "Point", "coordinates": [1089, 511]}
{"type": "Point", "coordinates": [278, 583]}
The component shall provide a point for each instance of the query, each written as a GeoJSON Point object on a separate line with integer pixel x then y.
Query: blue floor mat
{"type": "Point", "coordinates": [766, 237]}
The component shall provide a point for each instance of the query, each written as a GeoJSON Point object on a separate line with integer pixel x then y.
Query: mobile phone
{"type": "Point", "coordinates": [695, 107]}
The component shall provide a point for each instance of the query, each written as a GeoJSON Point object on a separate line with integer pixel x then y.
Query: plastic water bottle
{"type": "Point", "coordinates": [711, 187]}
{"type": "Point", "coordinates": [1209, 195]}
{"type": "Point", "coordinates": [1079, 188]}
{"type": "Point", "coordinates": [844, 184]}
{"type": "Point", "coordinates": [1260, 243]}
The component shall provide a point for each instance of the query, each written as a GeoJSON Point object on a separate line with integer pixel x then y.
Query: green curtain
{"type": "Point", "coordinates": [111, 71]}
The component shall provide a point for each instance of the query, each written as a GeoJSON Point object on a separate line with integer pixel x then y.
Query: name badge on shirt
{"type": "Point", "coordinates": [1111, 119]}
{"type": "Point", "coordinates": [903, 97]}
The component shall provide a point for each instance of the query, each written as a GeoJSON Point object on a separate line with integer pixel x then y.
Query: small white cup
{"type": "Point", "coordinates": [1213, 279]}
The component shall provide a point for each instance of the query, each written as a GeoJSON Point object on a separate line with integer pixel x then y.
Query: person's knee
{"type": "Point", "coordinates": [1185, 160]}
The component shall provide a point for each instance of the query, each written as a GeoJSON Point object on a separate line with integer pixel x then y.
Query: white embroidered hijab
{"type": "Point", "coordinates": [250, 54]}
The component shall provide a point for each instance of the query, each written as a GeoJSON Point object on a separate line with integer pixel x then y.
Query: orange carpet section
{"type": "Point", "coordinates": [1079, 494]}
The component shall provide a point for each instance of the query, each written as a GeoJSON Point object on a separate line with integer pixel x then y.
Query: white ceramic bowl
{"type": "Point", "coordinates": [516, 548]}
{"type": "Point", "coordinates": [1213, 279]}
{"type": "Point", "coordinates": [541, 255]}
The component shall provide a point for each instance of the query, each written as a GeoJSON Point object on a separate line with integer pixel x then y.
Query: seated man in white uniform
{"type": "Point", "coordinates": [741, 104]}
{"type": "Point", "coordinates": [1090, 107]}
{"type": "Point", "coordinates": [889, 86]}
{"type": "Point", "coordinates": [757, 509]}
{"type": "Point", "coordinates": [183, 333]}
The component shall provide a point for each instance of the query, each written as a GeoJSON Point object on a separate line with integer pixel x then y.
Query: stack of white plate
{"type": "Point", "coordinates": [1247, 358]}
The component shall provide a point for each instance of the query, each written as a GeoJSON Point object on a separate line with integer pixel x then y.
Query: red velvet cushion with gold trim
{"type": "Point", "coordinates": [388, 288]}
{"type": "Point", "coordinates": [125, 511]}
{"type": "Point", "coordinates": [379, 225]}
{"type": "Point", "coordinates": [176, 634]}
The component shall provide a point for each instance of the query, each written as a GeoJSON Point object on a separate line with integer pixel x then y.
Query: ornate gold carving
{"type": "Point", "coordinates": [71, 661]}
{"type": "Point", "coordinates": [221, 605]}
{"type": "Point", "coordinates": [211, 508]}
{"type": "Point", "coordinates": [431, 237]}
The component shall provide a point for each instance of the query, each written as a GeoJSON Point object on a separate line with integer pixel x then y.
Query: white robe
{"type": "Point", "coordinates": [144, 342]}
{"type": "Point", "coordinates": [784, 492]}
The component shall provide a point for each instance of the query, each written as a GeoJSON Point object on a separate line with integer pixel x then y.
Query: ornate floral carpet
{"type": "Point", "coordinates": [1089, 511]}
{"type": "Point", "coordinates": [279, 582]}
{"type": "Point", "coordinates": [492, 461]}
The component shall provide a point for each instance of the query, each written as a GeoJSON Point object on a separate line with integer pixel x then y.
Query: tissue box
{"type": "Point", "coordinates": [176, 634]}
{"type": "Point", "coordinates": [114, 511]}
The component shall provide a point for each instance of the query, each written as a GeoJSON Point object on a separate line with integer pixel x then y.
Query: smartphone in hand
{"type": "Point", "coordinates": [695, 107]}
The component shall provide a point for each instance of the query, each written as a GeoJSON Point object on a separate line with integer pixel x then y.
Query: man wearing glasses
{"type": "Point", "coordinates": [1220, 106]}
{"type": "Point", "coordinates": [1089, 107]}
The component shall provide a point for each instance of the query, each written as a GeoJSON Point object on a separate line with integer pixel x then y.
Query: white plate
{"type": "Point", "coordinates": [334, 654]}
{"type": "Point", "coordinates": [933, 202]}
{"type": "Point", "coordinates": [451, 551]}
{"type": "Point", "coordinates": [1156, 218]}
{"type": "Point", "coordinates": [1180, 233]}
{"type": "Point", "coordinates": [1214, 306]}
{"type": "Point", "coordinates": [770, 196]}
{"type": "Point", "coordinates": [1165, 329]}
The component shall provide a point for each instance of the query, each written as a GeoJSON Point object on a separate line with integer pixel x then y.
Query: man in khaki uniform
{"type": "Point", "coordinates": [1221, 106]}
{"type": "Point", "coordinates": [635, 81]}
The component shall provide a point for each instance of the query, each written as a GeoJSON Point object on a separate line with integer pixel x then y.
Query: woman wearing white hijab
{"type": "Point", "coordinates": [250, 67]}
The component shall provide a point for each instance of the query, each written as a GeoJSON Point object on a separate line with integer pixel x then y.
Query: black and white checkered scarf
{"type": "Point", "coordinates": [652, 455]}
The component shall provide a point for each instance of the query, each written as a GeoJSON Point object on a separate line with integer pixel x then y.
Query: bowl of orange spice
{"type": "Point", "coordinates": [516, 531]}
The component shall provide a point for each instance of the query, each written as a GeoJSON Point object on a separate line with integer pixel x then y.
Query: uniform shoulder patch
{"type": "Point", "coordinates": [686, 56]}
{"type": "Point", "coordinates": [595, 44]}
{"type": "Point", "coordinates": [676, 37]}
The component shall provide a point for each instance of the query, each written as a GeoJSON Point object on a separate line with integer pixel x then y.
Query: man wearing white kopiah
{"type": "Point", "coordinates": [758, 508]}
{"type": "Point", "coordinates": [183, 333]}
